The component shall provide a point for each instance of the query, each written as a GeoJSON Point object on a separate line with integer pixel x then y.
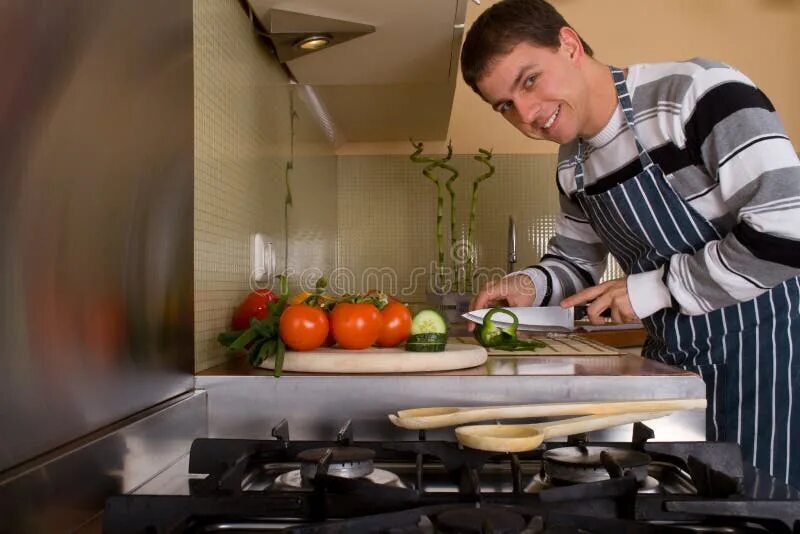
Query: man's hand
{"type": "Point", "coordinates": [514, 290]}
{"type": "Point", "coordinates": [612, 294]}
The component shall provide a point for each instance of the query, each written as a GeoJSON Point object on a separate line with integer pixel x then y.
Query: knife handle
{"type": "Point", "coordinates": [580, 312]}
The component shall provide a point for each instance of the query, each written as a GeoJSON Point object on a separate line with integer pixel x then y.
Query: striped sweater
{"type": "Point", "coordinates": [724, 150]}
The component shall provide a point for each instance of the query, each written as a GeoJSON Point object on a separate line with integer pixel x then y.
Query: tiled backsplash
{"type": "Point", "coordinates": [242, 144]}
{"type": "Point", "coordinates": [387, 217]}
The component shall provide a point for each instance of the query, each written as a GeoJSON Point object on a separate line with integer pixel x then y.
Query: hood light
{"type": "Point", "coordinates": [313, 42]}
{"type": "Point", "coordinates": [294, 35]}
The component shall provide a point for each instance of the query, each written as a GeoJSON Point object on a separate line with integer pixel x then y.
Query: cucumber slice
{"type": "Point", "coordinates": [428, 322]}
{"type": "Point", "coordinates": [427, 338]}
{"type": "Point", "coordinates": [426, 347]}
{"type": "Point", "coordinates": [426, 342]}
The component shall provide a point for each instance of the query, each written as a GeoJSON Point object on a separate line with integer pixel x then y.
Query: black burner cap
{"type": "Point", "coordinates": [590, 457]}
{"type": "Point", "coordinates": [340, 454]}
{"type": "Point", "coordinates": [479, 520]}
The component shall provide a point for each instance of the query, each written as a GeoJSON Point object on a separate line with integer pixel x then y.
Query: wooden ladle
{"type": "Point", "coordinates": [438, 417]}
{"type": "Point", "coordinates": [519, 438]}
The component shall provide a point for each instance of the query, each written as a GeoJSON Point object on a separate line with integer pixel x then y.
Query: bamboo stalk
{"type": "Point", "coordinates": [449, 185]}
{"type": "Point", "coordinates": [287, 203]}
{"type": "Point", "coordinates": [427, 172]}
{"type": "Point", "coordinates": [484, 157]}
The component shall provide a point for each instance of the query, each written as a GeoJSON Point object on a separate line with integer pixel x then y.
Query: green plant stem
{"type": "Point", "coordinates": [449, 185]}
{"type": "Point", "coordinates": [439, 267]}
{"type": "Point", "coordinates": [484, 157]}
{"type": "Point", "coordinates": [287, 203]}
{"type": "Point", "coordinates": [427, 171]}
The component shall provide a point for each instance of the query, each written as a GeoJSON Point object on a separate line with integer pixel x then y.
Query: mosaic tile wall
{"type": "Point", "coordinates": [242, 143]}
{"type": "Point", "coordinates": [387, 218]}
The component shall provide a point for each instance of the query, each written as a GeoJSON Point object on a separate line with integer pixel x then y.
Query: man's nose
{"type": "Point", "coordinates": [528, 109]}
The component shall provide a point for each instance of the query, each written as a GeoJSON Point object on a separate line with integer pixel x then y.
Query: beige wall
{"type": "Point", "coordinates": [758, 37]}
{"type": "Point", "coordinates": [242, 143]}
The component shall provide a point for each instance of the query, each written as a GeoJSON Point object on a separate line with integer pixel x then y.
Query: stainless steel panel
{"type": "Point", "coordinates": [70, 487]}
{"type": "Point", "coordinates": [316, 406]}
{"type": "Point", "coordinates": [96, 217]}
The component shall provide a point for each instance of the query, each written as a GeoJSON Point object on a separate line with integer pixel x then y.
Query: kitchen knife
{"type": "Point", "coordinates": [537, 318]}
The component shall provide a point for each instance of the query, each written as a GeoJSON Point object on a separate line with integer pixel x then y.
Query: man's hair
{"type": "Point", "coordinates": [503, 26]}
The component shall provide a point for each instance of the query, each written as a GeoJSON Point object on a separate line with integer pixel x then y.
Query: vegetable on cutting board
{"type": "Point", "coordinates": [428, 332]}
{"type": "Point", "coordinates": [256, 304]}
{"type": "Point", "coordinates": [303, 327]}
{"type": "Point", "coordinates": [261, 338]}
{"type": "Point", "coordinates": [312, 320]}
{"type": "Point", "coordinates": [395, 324]}
{"type": "Point", "coordinates": [492, 335]}
{"type": "Point", "coordinates": [355, 325]}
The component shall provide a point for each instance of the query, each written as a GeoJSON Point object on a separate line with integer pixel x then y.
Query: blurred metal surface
{"type": "Point", "coordinates": [316, 406]}
{"type": "Point", "coordinates": [96, 167]}
{"type": "Point", "coordinates": [71, 486]}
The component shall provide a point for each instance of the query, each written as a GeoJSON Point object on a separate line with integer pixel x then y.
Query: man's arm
{"type": "Point", "coordinates": [732, 129]}
{"type": "Point", "coordinates": [575, 259]}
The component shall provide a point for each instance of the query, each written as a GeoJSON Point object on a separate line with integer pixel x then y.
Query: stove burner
{"type": "Point", "coordinates": [294, 480]}
{"type": "Point", "coordinates": [539, 483]}
{"type": "Point", "coordinates": [495, 520]}
{"type": "Point", "coordinates": [345, 462]}
{"type": "Point", "coordinates": [584, 464]}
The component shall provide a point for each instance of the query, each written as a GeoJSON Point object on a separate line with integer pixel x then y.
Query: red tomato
{"type": "Point", "coordinates": [303, 327]}
{"type": "Point", "coordinates": [330, 340]}
{"type": "Point", "coordinates": [355, 326]}
{"type": "Point", "coordinates": [395, 324]}
{"type": "Point", "coordinates": [254, 305]}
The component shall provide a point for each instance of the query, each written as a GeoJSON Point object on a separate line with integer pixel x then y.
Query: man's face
{"type": "Point", "coordinates": [539, 90]}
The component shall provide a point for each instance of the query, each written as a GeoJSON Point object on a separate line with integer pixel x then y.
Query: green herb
{"type": "Point", "coordinates": [491, 335]}
{"type": "Point", "coordinates": [379, 299]}
{"type": "Point", "coordinates": [262, 336]}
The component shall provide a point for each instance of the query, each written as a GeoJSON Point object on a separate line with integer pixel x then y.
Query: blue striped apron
{"type": "Point", "coordinates": [745, 352]}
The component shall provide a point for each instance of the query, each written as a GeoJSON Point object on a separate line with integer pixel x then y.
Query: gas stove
{"type": "Point", "coordinates": [344, 485]}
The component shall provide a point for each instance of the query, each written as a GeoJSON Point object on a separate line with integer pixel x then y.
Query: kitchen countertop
{"type": "Point", "coordinates": [622, 365]}
{"type": "Point", "coordinates": [246, 402]}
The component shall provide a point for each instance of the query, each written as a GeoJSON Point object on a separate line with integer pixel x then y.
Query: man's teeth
{"type": "Point", "coordinates": [552, 118]}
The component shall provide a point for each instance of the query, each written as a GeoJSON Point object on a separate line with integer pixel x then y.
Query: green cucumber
{"type": "Point", "coordinates": [422, 339]}
{"type": "Point", "coordinates": [428, 322]}
{"type": "Point", "coordinates": [433, 342]}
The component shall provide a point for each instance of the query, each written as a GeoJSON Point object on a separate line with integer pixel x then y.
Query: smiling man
{"type": "Point", "coordinates": [685, 174]}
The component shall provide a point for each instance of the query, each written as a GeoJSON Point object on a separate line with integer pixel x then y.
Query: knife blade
{"type": "Point", "coordinates": [534, 318]}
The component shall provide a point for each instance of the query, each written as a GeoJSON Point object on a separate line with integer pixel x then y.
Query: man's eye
{"type": "Point", "coordinates": [504, 107]}
{"type": "Point", "coordinates": [529, 81]}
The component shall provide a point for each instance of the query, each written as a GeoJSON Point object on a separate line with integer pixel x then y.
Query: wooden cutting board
{"type": "Point", "coordinates": [557, 345]}
{"type": "Point", "coordinates": [381, 360]}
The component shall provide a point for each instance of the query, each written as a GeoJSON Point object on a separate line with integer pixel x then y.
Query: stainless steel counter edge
{"type": "Point", "coordinates": [68, 488]}
{"type": "Point", "coordinates": [316, 406]}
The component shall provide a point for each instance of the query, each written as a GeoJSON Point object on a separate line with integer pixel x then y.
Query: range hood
{"type": "Point", "coordinates": [296, 34]}
{"type": "Point", "coordinates": [389, 84]}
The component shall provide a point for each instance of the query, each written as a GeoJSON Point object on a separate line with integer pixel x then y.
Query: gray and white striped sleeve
{"type": "Point", "coordinates": [734, 129]}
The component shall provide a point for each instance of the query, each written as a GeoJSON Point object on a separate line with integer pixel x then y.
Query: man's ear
{"type": "Point", "coordinates": [571, 43]}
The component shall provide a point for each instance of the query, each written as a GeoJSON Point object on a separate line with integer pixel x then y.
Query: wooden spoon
{"type": "Point", "coordinates": [519, 438]}
{"type": "Point", "coordinates": [438, 417]}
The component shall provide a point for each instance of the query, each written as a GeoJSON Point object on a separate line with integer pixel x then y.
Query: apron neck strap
{"type": "Point", "coordinates": [627, 107]}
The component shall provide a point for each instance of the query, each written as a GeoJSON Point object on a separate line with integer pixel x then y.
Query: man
{"type": "Point", "coordinates": [685, 174]}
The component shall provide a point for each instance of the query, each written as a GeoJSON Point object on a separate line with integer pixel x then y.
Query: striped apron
{"type": "Point", "coordinates": [745, 352]}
